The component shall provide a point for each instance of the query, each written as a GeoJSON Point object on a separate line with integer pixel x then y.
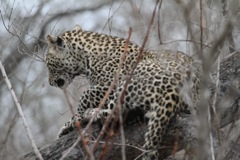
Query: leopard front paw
{"type": "Point", "coordinates": [90, 113]}
{"type": "Point", "coordinates": [151, 155]}
{"type": "Point", "coordinates": [65, 130]}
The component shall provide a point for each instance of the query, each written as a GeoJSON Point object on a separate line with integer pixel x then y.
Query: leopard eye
{"type": "Point", "coordinates": [60, 82]}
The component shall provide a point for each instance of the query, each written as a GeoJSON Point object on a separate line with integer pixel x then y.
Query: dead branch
{"type": "Point", "coordinates": [19, 108]}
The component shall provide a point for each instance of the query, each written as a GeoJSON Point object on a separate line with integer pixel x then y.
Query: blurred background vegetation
{"type": "Point", "coordinates": [26, 23]}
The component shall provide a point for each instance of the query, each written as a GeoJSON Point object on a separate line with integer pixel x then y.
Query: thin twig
{"type": "Point", "coordinates": [109, 117]}
{"type": "Point", "coordinates": [20, 39]}
{"type": "Point", "coordinates": [158, 22]}
{"type": "Point", "coordinates": [13, 121]}
{"type": "Point", "coordinates": [139, 58]}
{"type": "Point", "coordinates": [120, 144]}
{"type": "Point", "coordinates": [81, 134]}
{"type": "Point", "coordinates": [201, 26]}
{"type": "Point", "coordinates": [122, 60]}
{"type": "Point", "coordinates": [214, 104]}
{"type": "Point", "coordinates": [201, 52]}
{"type": "Point", "coordinates": [211, 144]}
{"type": "Point", "coordinates": [140, 55]}
{"type": "Point", "coordinates": [69, 103]}
{"type": "Point", "coordinates": [19, 108]}
{"type": "Point", "coordinates": [230, 40]}
{"type": "Point", "coordinates": [210, 135]}
{"type": "Point", "coordinates": [185, 40]}
{"type": "Point", "coordinates": [91, 120]}
{"type": "Point", "coordinates": [121, 97]}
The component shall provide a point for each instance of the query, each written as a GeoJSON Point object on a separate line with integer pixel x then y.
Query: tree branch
{"type": "Point", "coordinates": [19, 108]}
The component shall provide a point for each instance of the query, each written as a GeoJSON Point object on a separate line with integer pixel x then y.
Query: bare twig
{"type": "Point", "coordinates": [186, 40]}
{"type": "Point", "coordinates": [158, 22]}
{"type": "Point", "coordinates": [225, 12]}
{"type": "Point", "coordinates": [201, 52]}
{"type": "Point", "coordinates": [10, 67]}
{"type": "Point", "coordinates": [19, 108]}
{"type": "Point", "coordinates": [121, 97]}
{"type": "Point", "coordinates": [201, 26]}
{"type": "Point", "coordinates": [109, 117]}
{"type": "Point", "coordinates": [214, 104]}
{"type": "Point", "coordinates": [77, 124]}
{"type": "Point", "coordinates": [74, 12]}
{"type": "Point", "coordinates": [120, 144]}
{"type": "Point", "coordinates": [139, 58]}
{"type": "Point", "coordinates": [20, 39]}
{"type": "Point", "coordinates": [91, 120]}
{"type": "Point", "coordinates": [210, 135]}
{"type": "Point", "coordinates": [13, 121]}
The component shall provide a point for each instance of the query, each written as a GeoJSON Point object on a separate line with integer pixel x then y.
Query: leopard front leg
{"type": "Point", "coordinates": [68, 126]}
{"type": "Point", "coordinates": [88, 104]}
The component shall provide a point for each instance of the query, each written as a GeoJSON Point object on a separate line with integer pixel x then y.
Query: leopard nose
{"type": "Point", "coordinates": [60, 82]}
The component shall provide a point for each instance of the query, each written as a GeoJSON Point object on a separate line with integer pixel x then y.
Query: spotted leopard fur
{"type": "Point", "coordinates": [154, 87]}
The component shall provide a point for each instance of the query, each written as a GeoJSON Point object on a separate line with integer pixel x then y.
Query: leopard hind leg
{"type": "Point", "coordinates": [157, 125]}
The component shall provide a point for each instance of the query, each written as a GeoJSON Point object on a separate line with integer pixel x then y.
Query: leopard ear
{"type": "Point", "coordinates": [54, 41]}
{"type": "Point", "coordinates": [77, 27]}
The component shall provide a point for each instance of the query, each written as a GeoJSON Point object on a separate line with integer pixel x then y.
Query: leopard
{"type": "Point", "coordinates": [154, 87]}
